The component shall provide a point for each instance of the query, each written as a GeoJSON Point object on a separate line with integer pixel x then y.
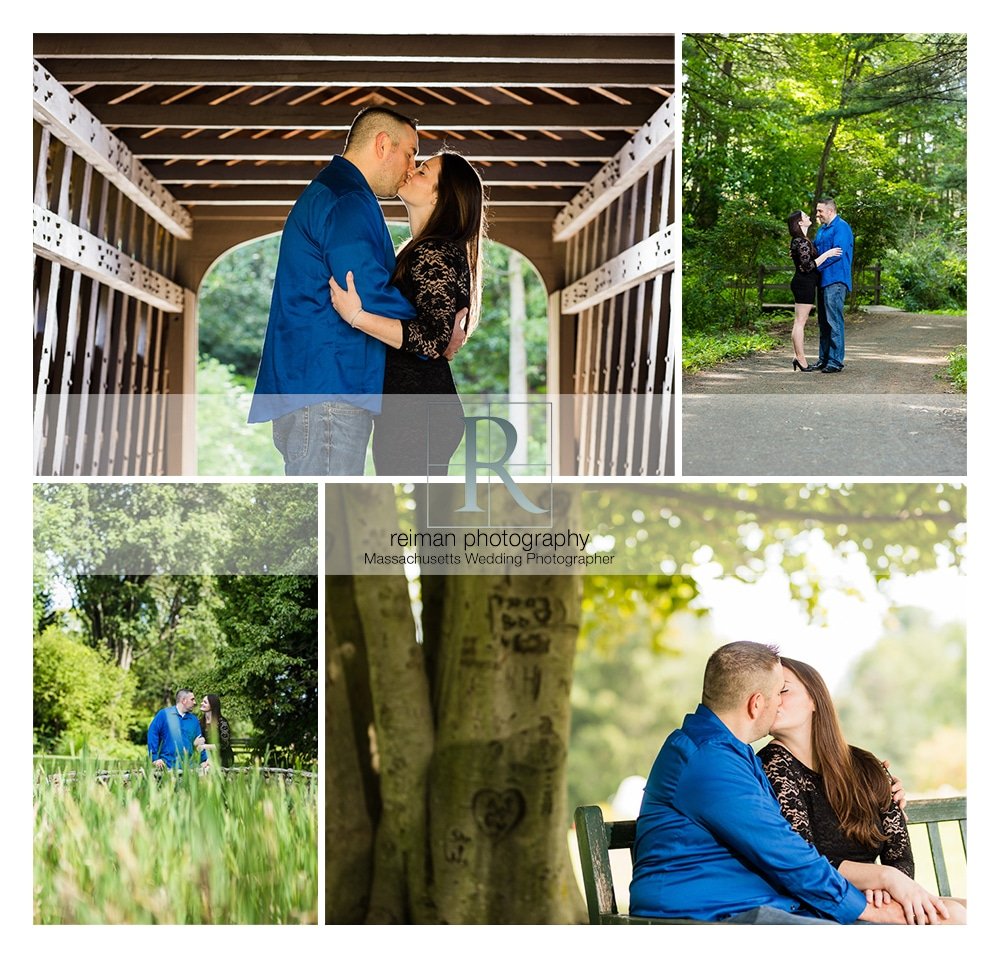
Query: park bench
{"type": "Point", "coordinates": [596, 838]}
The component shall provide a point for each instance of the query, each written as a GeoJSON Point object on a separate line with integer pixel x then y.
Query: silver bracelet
{"type": "Point", "coordinates": [354, 318]}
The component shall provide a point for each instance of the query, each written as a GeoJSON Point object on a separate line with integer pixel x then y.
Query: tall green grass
{"type": "Point", "coordinates": [186, 849]}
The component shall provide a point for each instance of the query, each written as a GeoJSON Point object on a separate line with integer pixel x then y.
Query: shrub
{"type": "Point", "coordinates": [927, 273]}
{"type": "Point", "coordinates": [80, 697]}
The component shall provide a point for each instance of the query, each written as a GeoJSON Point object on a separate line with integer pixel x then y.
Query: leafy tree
{"type": "Point", "coordinates": [774, 121]}
{"type": "Point", "coordinates": [233, 303]}
{"type": "Point", "coordinates": [79, 695]}
{"type": "Point", "coordinates": [228, 445]}
{"type": "Point", "coordinates": [139, 565]}
{"type": "Point", "coordinates": [267, 662]}
{"type": "Point", "coordinates": [905, 690]}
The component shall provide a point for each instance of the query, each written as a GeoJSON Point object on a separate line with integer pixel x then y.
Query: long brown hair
{"type": "Point", "coordinates": [214, 710]}
{"type": "Point", "coordinates": [857, 785]}
{"type": "Point", "coordinates": [457, 216]}
{"type": "Point", "coordinates": [795, 225]}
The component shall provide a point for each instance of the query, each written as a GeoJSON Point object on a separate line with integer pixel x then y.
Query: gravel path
{"type": "Point", "coordinates": [886, 414]}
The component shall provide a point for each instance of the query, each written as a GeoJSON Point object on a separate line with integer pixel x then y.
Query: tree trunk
{"type": "Point", "coordinates": [852, 70]}
{"type": "Point", "coordinates": [498, 817]}
{"type": "Point", "coordinates": [403, 725]}
{"type": "Point", "coordinates": [498, 831]}
{"type": "Point", "coordinates": [351, 783]}
{"type": "Point", "coordinates": [473, 823]}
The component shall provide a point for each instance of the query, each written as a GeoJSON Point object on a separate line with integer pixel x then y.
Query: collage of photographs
{"type": "Point", "coordinates": [499, 479]}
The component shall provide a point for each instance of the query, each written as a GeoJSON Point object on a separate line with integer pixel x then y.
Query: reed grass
{"type": "Point", "coordinates": [179, 849]}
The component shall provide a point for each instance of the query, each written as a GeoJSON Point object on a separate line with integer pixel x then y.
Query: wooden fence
{"type": "Point", "coordinates": [108, 319]}
{"type": "Point", "coordinates": [778, 295]}
{"type": "Point", "coordinates": [614, 313]}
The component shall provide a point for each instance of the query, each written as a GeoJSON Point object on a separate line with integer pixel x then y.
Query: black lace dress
{"type": "Point", "coordinates": [414, 437]}
{"type": "Point", "coordinates": [804, 803]}
{"type": "Point", "coordinates": [806, 277]}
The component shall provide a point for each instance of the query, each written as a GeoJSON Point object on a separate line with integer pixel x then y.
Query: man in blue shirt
{"type": "Point", "coordinates": [175, 733]}
{"type": "Point", "coordinates": [320, 380]}
{"type": "Point", "coordinates": [834, 285]}
{"type": "Point", "coordinates": [711, 842]}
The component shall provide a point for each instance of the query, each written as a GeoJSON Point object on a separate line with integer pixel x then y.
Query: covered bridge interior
{"type": "Point", "coordinates": [156, 153]}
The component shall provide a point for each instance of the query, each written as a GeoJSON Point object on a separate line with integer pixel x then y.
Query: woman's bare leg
{"type": "Point", "coordinates": [802, 311]}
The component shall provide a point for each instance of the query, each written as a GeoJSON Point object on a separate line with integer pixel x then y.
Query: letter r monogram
{"type": "Point", "coordinates": [473, 464]}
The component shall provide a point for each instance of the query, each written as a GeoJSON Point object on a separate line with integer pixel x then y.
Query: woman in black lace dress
{"type": "Point", "coordinates": [215, 731]}
{"type": "Point", "coordinates": [438, 270]}
{"type": "Point", "coordinates": [839, 798]}
{"type": "Point", "coordinates": [806, 260]}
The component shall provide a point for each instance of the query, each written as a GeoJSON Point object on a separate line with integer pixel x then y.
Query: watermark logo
{"type": "Point", "coordinates": [498, 448]}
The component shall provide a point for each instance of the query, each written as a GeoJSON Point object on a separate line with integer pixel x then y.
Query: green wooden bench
{"type": "Point", "coordinates": [596, 838]}
{"type": "Point", "coordinates": [932, 813]}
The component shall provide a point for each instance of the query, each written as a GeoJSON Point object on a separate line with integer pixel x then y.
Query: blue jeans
{"type": "Point", "coordinates": [766, 915]}
{"type": "Point", "coordinates": [830, 316]}
{"type": "Point", "coordinates": [327, 439]}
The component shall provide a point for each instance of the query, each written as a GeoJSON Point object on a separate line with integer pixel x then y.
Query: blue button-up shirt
{"type": "Point", "coordinates": [171, 736]}
{"type": "Point", "coordinates": [310, 354]}
{"type": "Point", "coordinates": [711, 840]}
{"type": "Point", "coordinates": [837, 269]}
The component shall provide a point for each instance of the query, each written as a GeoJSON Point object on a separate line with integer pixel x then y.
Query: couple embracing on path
{"type": "Point", "coordinates": [355, 333]}
{"type": "Point", "coordinates": [822, 267]}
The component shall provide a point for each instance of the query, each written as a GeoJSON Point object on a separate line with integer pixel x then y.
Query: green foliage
{"type": "Point", "coordinates": [160, 630]}
{"type": "Point", "coordinates": [482, 365]}
{"type": "Point", "coordinates": [907, 698]}
{"type": "Point", "coordinates": [267, 664]}
{"type": "Point", "coordinates": [79, 695]}
{"type": "Point", "coordinates": [233, 304]}
{"type": "Point", "coordinates": [703, 349]}
{"type": "Point", "coordinates": [925, 274]}
{"type": "Point", "coordinates": [183, 850]}
{"type": "Point", "coordinates": [233, 308]}
{"type": "Point", "coordinates": [958, 372]}
{"type": "Point", "coordinates": [227, 444]}
{"type": "Point", "coordinates": [773, 121]}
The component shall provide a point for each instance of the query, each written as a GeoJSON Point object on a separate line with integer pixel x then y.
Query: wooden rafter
{"type": "Point", "coordinates": [410, 48]}
{"type": "Point", "coordinates": [469, 116]}
{"type": "Point", "coordinates": [210, 146]}
{"type": "Point", "coordinates": [365, 73]}
{"type": "Point", "coordinates": [300, 173]}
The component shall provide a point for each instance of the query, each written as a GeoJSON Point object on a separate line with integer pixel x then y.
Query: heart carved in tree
{"type": "Point", "coordinates": [497, 813]}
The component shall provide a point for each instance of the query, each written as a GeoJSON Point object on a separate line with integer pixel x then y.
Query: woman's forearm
{"type": "Point", "coordinates": [382, 328]}
{"type": "Point", "coordinates": [864, 875]}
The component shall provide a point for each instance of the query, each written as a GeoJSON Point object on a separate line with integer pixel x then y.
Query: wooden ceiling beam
{"type": "Point", "coordinates": [210, 146]}
{"type": "Point", "coordinates": [349, 73]}
{"type": "Point", "coordinates": [267, 195]}
{"type": "Point", "coordinates": [276, 213]}
{"type": "Point", "coordinates": [471, 116]}
{"type": "Point", "coordinates": [517, 48]}
{"type": "Point", "coordinates": [553, 174]}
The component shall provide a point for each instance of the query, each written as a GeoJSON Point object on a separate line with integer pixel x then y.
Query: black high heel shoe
{"type": "Point", "coordinates": [796, 365]}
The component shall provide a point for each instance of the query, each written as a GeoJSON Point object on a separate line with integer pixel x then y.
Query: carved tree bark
{"type": "Point", "coordinates": [470, 754]}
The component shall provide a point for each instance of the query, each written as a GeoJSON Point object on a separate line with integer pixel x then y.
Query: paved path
{"type": "Point", "coordinates": [886, 414]}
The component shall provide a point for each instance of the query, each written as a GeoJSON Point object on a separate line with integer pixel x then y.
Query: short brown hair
{"type": "Point", "coordinates": [827, 201]}
{"type": "Point", "coordinates": [371, 121]}
{"type": "Point", "coordinates": [734, 671]}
